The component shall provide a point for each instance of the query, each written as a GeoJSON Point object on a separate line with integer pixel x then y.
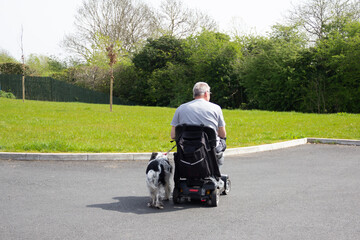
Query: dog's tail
{"type": "Point", "coordinates": [152, 179]}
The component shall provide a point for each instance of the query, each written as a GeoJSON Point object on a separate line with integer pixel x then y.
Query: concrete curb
{"type": "Point", "coordinates": [74, 156]}
{"type": "Point", "coordinates": [146, 156]}
{"type": "Point", "coordinates": [265, 147]}
{"type": "Point", "coordinates": [334, 141]}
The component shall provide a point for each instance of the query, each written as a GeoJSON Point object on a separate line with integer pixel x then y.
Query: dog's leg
{"type": "Point", "coordinates": [158, 203]}
{"type": "Point", "coordinates": [167, 191]}
{"type": "Point", "coordinates": [167, 187]}
{"type": "Point", "coordinates": [152, 199]}
{"type": "Point", "coordinates": [157, 196]}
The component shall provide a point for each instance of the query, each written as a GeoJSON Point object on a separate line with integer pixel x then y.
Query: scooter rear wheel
{"type": "Point", "coordinates": [215, 197]}
{"type": "Point", "coordinates": [227, 187]}
{"type": "Point", "coordinates": [176, 199]}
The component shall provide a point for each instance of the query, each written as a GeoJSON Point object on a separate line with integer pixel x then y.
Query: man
{"type": "Point", "coordinates": [202, 111]}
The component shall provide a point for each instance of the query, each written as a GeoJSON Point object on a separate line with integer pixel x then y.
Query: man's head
{"type": "Point", "coordinates": [201, 90]}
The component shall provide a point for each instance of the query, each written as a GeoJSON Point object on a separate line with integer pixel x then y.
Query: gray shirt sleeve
{"type": "Point", "coordinates": [175, 120]}
{"type": "Point", "coordinates": [221, 119]}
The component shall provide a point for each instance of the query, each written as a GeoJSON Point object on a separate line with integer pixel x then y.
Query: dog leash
{"type": "Point", "coordinates": [170, 149]}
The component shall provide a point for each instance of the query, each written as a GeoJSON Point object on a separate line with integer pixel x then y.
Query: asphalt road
{"type": "Point", "coordinates": [304, 192]}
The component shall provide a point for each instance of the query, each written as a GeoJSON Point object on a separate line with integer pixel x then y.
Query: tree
{"type": "Point", "coordinates": [92, 77]}
{"type": "Point", "coordinates": [119, 20]}
{"type": "Point", "coordinates": [158, 52]}
{"type": "Point", "coordinates": [171, 66]}
{"type": "Point", "coordinates": [314, 15]}
{"type": "Point", "coordinates": [314, 74]}
{"type": "Point", "coordinates": [45, 66]}
{"type": "Point", "coordinates": [112, 60]}
{"type": "Point", "coordinates": [178, 21]}
{"type": "Point", "coordinates": [157, 62]}
{"type": "Point", "coordinates": [23, 66]}
{"type": "Point", "coordinates": [270, 70]}
{"type": "Point", "coordinates": [128, 83]}
{"type": "Point", "coordinates": [13, 68]}
{"type": "Point", "coordinates": [5, 57]}
{"type": "Point", "coordinates": [340, 53]}
{"type": "Point", "coordinates": [281, 73]}
{"type": "Point", "coordinates": [215, 59]}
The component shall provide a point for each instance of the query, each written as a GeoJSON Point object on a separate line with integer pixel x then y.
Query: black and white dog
{"type": "Point", "coordinates": [158, 174]}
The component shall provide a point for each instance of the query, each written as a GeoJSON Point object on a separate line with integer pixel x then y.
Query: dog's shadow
{"type": "Point", "coordinates": [138, 205]}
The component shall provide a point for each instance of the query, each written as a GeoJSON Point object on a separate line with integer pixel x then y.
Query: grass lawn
{"type": "Point", "coordinates": [36, 126]}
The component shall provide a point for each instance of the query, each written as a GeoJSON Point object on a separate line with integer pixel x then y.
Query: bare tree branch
{"type": "Point", "coordinates": [121, 20]}
{"type": "Point", "coordinates": [180, 21]}
{"type": "Point", "coordinates": [315, 15]}
{"type": "Point", "coordinates": [23, 65]}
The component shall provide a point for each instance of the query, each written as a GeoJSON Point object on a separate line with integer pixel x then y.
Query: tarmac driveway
{"type": "Point", "coordinates": [305, 192]}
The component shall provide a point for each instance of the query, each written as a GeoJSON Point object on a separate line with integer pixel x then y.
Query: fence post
{"type": "Point", "coordinates": [51, 89]}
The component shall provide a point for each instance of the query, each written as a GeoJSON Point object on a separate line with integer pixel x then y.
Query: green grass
{"type": "Point", "coordinates": [36, 126]}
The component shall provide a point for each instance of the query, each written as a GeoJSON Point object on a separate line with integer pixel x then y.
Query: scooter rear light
{"type": "Point", "coordinates": [193, 190]}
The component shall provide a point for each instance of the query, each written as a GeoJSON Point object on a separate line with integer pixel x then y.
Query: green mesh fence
{"type": "Point", "coordinates": [49, 89]}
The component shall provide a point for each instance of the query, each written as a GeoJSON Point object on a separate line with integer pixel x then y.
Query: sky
{"type": "Point", "coordinates": [44, 23]}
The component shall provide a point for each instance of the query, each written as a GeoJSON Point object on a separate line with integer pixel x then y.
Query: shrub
{"type": "Point", "coordinates": [6, 94]}
{"type": "Point", "coordinates": [13, 68]}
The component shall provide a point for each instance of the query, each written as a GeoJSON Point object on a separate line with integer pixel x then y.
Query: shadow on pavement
{"type": "Point", "coordinates": [138, 205]}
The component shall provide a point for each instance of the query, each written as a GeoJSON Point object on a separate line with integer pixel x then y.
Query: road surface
{"type": "Point", "coordinates": [305, 192]}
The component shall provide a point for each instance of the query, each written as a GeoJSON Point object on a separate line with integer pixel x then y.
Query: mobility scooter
{"type": "Point", "coordinates": [197, 175]}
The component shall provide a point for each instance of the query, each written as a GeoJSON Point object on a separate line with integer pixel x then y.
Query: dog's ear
{"type": "Point", "coordinates": [153, 155]}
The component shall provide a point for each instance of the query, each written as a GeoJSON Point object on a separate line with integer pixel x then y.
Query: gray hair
{"type": "Point", "coordinates": [200, 88]}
